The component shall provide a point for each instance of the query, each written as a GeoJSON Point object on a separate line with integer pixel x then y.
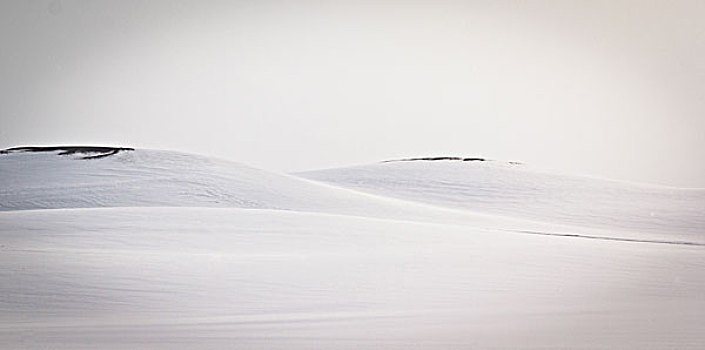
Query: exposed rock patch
{"type": "Point", "coordinates": [472, 159]}
{"type": "Point", "coordinates": [92, 152]}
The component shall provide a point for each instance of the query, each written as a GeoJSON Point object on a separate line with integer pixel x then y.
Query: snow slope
{"type": "Point", "coordinates": [519, 191]}
{"type": "Point", "coordinates": [145, 178]}
{"type": "Point", "coordinates": [161, 250]}
{"type": "Point", "coordinates": [210, 278]}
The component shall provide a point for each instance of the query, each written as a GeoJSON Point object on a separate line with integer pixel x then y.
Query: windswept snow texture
{"type": "Point", "coordinates": [519, 192]}
{"type": "Point", "coordinates": [207, 278]}
{"type": "Point", "coordinates": [162, 250]}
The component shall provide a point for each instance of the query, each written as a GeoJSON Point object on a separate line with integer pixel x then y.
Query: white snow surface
{"type": "Point", "coordinates": [519, 191]}
{"type": "Point", "coordinates": [148, 178]}
{"type": "Point", "coordinates": [162, 250]}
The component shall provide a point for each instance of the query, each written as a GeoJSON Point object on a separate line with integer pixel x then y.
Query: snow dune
{"type": "Point", "coordinates": [149, 178]}
{"type": "Point", "coordinates": [162, 250]}
{"type": "Point", "coordinates": [518, 191]}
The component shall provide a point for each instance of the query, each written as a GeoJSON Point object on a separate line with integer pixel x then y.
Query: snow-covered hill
{"type": "Point", "coordinates": [151, 178]}
{"type": "Point", "coordinates": [46, 180]}
{"type": "Point", "coordinates": [518, 191]}
{"type": "Point", "coordinates": [139, 249]}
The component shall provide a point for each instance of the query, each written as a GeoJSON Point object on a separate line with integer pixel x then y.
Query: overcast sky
{"type": "Point", "coordinates": [609, 88]}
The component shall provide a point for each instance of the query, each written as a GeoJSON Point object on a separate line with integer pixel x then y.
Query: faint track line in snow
{"type": "Point", "coordinates": [606, 238]}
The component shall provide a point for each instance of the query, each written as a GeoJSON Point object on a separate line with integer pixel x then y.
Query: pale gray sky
{"type": "Point", "coordinates": [610, 88]}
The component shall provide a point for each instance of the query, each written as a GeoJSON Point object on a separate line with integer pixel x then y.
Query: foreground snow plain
{"type": "Point", "coordinates": [215, 255]}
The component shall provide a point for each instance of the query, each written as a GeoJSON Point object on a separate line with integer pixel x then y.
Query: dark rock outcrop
{"type": "Point", "coordinates": [472, 159]}
{"type": "Point", "coordinates": [93, 152]}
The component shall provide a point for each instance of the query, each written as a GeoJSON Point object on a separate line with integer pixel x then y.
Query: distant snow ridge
{"type": "Point", "coordinates": [521, 192]}
{"type": "Point", "coordinates": [451, 190]}
{"type": "Point", "coordinates": [39, 179]}
{"type": "Point", "coordinates": [148, 178]}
